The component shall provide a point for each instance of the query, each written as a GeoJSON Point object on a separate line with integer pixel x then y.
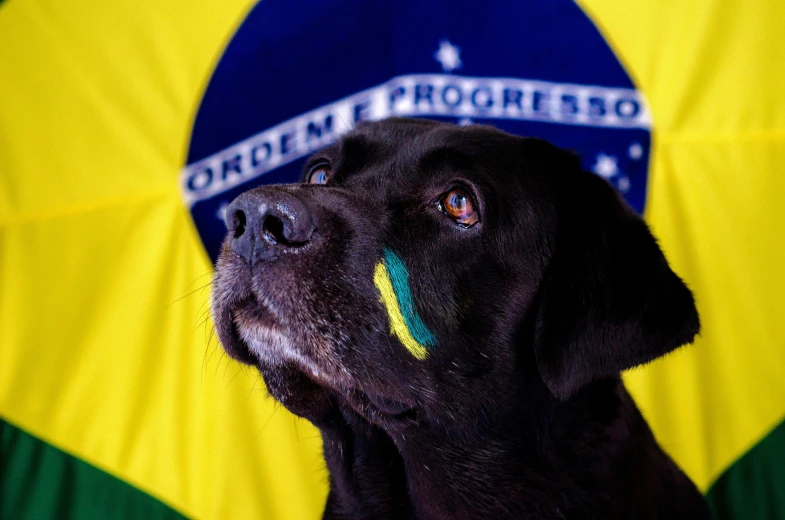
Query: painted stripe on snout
{"type": "Point", "coordinates": [392, 280]}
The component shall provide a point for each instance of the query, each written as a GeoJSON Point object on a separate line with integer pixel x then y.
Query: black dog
{"type": "Point", "coordinates": [451, 307]}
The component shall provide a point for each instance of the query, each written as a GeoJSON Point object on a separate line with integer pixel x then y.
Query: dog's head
{"type": "Point", "coordinates": [422, 270]}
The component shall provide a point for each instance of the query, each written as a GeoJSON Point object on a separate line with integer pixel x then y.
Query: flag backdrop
{"type": "Point", "coordinates": [125, 128]}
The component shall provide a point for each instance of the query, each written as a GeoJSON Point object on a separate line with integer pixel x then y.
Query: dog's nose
{"type": "Point", "coordinates": [264, 221]}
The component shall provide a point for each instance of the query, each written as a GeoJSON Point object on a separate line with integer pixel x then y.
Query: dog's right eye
{"type": "Point", "coordinates": [320, 174]}
{"type": "Point", "coordinates": [459, 205]}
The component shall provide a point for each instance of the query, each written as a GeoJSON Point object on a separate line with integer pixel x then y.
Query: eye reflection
{"type": "Point", "coordinates": [458, 204]}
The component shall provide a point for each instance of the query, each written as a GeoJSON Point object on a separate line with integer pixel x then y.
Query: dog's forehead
{"type": "Point", "coordinates": [417, 136]}
{"type": "Point", "coordinates": [406, 149]}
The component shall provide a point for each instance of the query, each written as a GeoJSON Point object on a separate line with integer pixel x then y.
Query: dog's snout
{"type": "Point", "coordinates": [264, 221]}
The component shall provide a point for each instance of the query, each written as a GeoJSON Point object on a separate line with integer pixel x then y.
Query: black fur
{"type": "Point", "coordinates": [519, 410]}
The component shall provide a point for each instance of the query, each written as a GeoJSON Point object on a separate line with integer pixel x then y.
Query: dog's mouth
{"type": "Point", "coordinates": [249, 312]}
{"type": "Point", "coordinates": [241, 318]}
{"type": "Point", "coordinates": [255, 335]}
{"type": "Point", "coordinates": [250, 316]}
{"type": "Point", "coordinates": [258, 336]}
{"type": "Point", "coordinates": [380, 408]}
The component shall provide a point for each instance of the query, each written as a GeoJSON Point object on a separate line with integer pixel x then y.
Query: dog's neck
{"type": "Point", "coordinates": [557, 470]}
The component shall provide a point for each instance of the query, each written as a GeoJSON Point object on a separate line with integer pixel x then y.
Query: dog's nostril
{"type": "Point", "coordinates": [238, 223]}
{"type": "Point", "coordinates": [273, 228]}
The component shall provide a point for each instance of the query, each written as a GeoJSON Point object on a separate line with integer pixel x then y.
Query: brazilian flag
{"type": "Point", "coordinates": [126, 127]}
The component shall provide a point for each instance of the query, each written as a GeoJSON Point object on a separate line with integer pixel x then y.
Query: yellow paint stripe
{"type": "Point", "coordinates": [381, 278]}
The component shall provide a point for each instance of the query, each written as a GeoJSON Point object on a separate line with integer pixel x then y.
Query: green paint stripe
{"type": "Point", "coordinates": [400, 282]}
{"type": "Point", "coordinates": [753, 488]}
{"type": "Point", "coordinates": [40, 481]}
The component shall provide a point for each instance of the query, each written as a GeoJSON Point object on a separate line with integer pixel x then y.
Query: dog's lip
{"type": "Point", "coordinates": [250, 311]}
{"type": "Point", "coordinates": [237, 348]}
{"type": "Point", "coordinates": [244, 313]}
{"type": "Point", "coordinates": [381, 407]}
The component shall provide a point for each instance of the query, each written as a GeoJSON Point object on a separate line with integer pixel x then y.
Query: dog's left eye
{"type": "Point", "coordinates": [458, 204]}
{"type": "Point", "coordinates": [320, 174]}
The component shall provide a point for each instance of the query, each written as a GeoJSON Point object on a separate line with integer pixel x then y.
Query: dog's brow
{"type": "Point", "coordinates": [354, 152]}
{"type": "Point", "coordinates": [443, 157]}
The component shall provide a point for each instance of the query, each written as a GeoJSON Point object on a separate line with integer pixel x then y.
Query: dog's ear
{"type": "Point", "coordinates": [609, 301]}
